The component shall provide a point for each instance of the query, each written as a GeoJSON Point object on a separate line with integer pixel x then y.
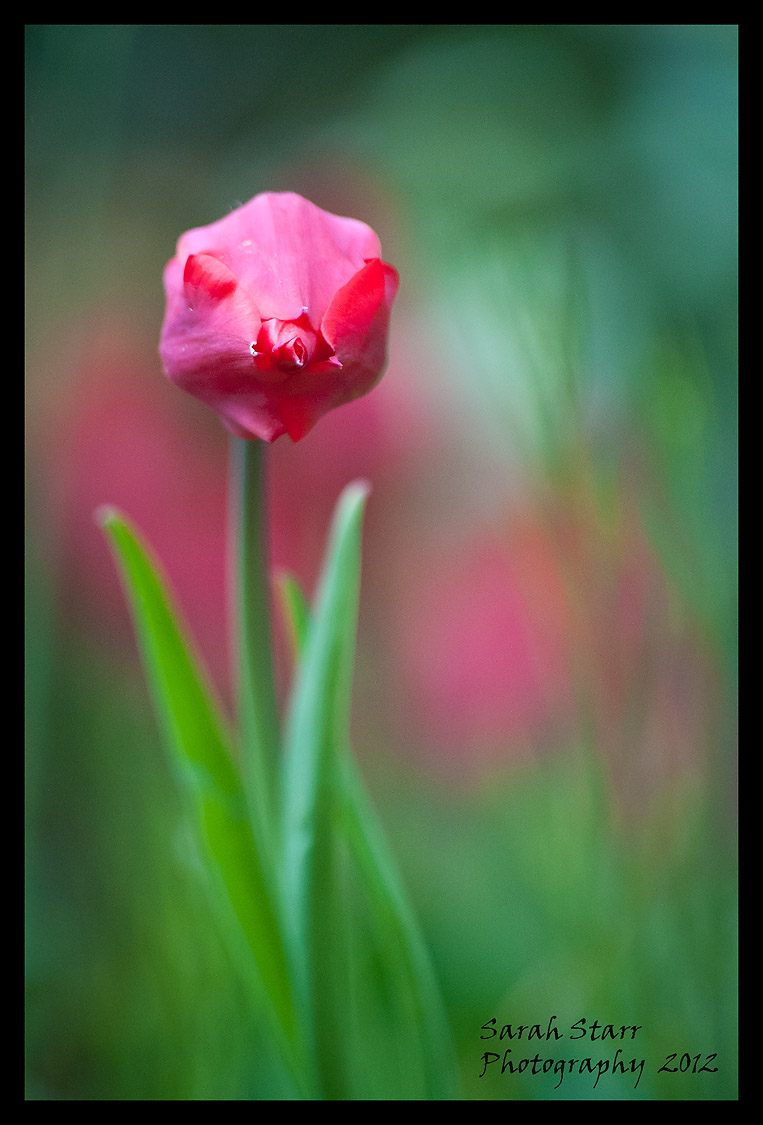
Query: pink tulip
{"type": "Point", "coordinates": [276, 314]}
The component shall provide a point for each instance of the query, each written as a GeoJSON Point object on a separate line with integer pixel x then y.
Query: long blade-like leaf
{"type": "Point", "coordinates": [296, 612]}
{"type": "Point", "coordinates": [200, 747]}
{"type": "Point", "coordinates": [411, 981]}
{"type": "Point", "coordinates": [318, 724]}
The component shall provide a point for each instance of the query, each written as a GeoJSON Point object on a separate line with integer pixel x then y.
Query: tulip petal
{"type": "Point", "coordinates": [353, 309]}
{"type": "Point", "coordinates": [355, 324]}
{"type": "Point", "coordinates": [209, 326]}
{"type": "Point", "coordinates": [207, 278]}
{"type": "Point", "coordinates": [299, 414]}
{"type": "Point", "coordinates": [250, 416]}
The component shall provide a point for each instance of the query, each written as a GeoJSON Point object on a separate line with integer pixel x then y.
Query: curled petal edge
{"type": "Point", "coordinates": [349, 320]}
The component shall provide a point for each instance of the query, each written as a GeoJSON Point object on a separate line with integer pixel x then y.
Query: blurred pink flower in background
{"type": "Point", "coordinates": [119, 436]}
{"type": "Point", "coordinates": [483, 629]}
{"type": "Point", "coordinates": [544, 633]}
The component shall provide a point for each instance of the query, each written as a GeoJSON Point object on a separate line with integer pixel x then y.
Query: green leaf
{"type": "Point", "coordinates": [422, 1034]}
{"type": "Point", "coordinates": [200, 746]}
{"type": "Point", "coordinates": [317, 728]}
{"type": "Point", "coordinates": [296, 612]}
{"type": "Point", "coordinates": [425, 1046]}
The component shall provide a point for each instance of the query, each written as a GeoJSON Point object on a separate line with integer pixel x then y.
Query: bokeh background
{"type": "Point", "coordinates": [545, 692]}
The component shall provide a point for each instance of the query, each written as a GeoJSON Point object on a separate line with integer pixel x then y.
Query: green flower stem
{"type": "Point", "coordinates": [258, 723]}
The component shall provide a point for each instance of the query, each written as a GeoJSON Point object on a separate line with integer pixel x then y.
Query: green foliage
{"type": "Point", "coordinates": [403, 977]}
{"type": "Point", "coordinates": [201, 750]}
{"type": "Point", "coordinates": [324, 933]}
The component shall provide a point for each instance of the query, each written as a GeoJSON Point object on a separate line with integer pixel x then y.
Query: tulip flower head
{"type": "Point", "coordinates": [276, 314]}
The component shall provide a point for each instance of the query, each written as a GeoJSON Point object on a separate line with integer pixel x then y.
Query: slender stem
{"type": "Point", "coordinates": [257, 710]}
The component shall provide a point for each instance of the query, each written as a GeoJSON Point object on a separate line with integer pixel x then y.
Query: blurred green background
{"type": "Point", "coordinates": [545, 700]}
